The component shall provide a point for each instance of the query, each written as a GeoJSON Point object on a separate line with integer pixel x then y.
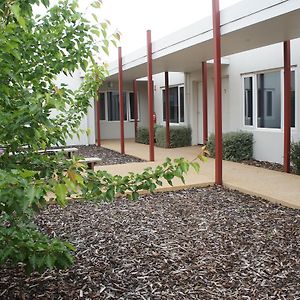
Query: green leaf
{"type": "Point", "coordinates": [95, 17]}
{"type": "Point", "coordinates": [96, 4]}
{"type": "Point", "coordinates": [195, 166]}
{"type": "Point", "coordinates": [61, 193]}
{"type": "Point", "coordinates": [15, 8]}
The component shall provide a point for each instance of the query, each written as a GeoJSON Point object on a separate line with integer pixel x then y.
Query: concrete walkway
{"type": "Point", "coordinates": [274, 186]}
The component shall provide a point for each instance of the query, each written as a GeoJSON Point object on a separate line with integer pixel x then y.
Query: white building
{"type": "Point", "coordinates": [252, 78]}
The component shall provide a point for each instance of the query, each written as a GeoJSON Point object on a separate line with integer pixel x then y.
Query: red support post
{"type": "Point", "coordinates": [167, 109]}
{"type": "Point", "coordinates": [97, 104]}
{"type": "Point", "coordinates": [217, 90]}
{"type": "Point", "coordinates": [135, 91]}
{"type": "Point", "coordinates": [204, 102]}
{"type": "Point", "coordinates": [150, 96]}
{"type": "Point", "coordinates": [121, 99]}
{"type": "Point", "coordinates": [287, 105]}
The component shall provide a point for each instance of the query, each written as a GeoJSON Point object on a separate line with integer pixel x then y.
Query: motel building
{"type": "Point", "coordinates": [236, 70]}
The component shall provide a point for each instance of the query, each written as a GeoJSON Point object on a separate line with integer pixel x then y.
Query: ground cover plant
{"type": "Point", "coordinates": [209, 243]}
{"type": "Point", "coordinates": [34, 50]}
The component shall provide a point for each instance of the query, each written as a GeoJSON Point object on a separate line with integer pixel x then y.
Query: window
{"type": "Point", "coordinates": [266, 89]}
{"type": "Point", "coordinates": [181, 104]}
{"type": "Point", "coordinates": [131, 107]}
{"type": "Point", "coordinates": [269, 100]}
{"type": "Point", "coordinates": [293, 99]}
{"type": "Point", "coordinates": [248, 99]}
{"type": "Point", "coordinates": [113, 107]}
{"type": "Point", "coordinates": [176, 104]}
{"type": "Point", "coordinates": [102, 106]}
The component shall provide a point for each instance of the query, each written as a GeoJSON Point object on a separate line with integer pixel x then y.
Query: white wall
{"type": "Point", "coordinates": [195, 103]}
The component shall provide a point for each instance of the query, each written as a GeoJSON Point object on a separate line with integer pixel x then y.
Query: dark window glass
{"type": "Point", "coordinates": [182, 104]}
{"type": "Point", "coordinates": [293, 100]}
{"type": "Point", "coordinates": [269, 100]}
{"type": "Point", "coordinates": [164, 105]}
{"type": "Point", "coordinates": [175, 109]}
{"type": "Point", "coordinates": [113, 107]}
{"type": "Point", "coordinates": [269, 103]}
{"type": "Point", "coordinates": [131, 104]}
{"type": "Point", "coordinates": [248, 100]}
{"type": "Point", "coordinates": [102, 106]}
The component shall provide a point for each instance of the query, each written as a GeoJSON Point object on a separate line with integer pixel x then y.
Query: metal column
{"type": "Point", "coordinates": [150, 96]}
{"type": "Point", "coordinates": [287, 105]}
{"type": "Point", "coordinates": [121, 100]}
{"type": "Point", "coordinates": [204, 102]}
{"type": "Point", "coordinates": [135, 91]}
{"type": "Point", "coordinates": [167, 109]}
{"type": "Point", "coordinates": [217, 90]}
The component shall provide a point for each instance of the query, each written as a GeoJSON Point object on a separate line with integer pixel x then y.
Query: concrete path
{"type": "Point", "coordinates": [274, 186]}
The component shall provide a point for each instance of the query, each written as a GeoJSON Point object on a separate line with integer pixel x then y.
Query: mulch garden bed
{"type": "Point", "coordinates": [264, 164]}
{"type": "Point", "coordinates": [208, 243]}
{"type": "Point", "coordinates": [108, 157]}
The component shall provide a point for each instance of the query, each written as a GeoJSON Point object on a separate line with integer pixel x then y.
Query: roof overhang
{"type": "Point", "coordinates": [244, 26]}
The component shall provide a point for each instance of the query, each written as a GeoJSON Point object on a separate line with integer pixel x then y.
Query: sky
{"type": "Point", "coordinates": [133, 17]}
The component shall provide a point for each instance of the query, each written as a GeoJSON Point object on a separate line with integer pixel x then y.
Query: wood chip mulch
{"type": "Point", "coordinates": [264, 164]}
{"type": "Point", "coordinates": [108, 157]}
{"type": "Point", "coordinates": [208, 243]}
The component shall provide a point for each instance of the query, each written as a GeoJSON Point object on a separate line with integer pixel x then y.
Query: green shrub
{"type": "Point", "coordinates": [295, 156]}
{"type": "Point", "coordinates": [237, 146]}
{"type": "Point", "coordinates": [142, 135]}
{"type": "Point", "coordinates": [180, 136]}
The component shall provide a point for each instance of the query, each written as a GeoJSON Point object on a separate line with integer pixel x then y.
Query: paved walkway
{"type": "Point", "coordinates": [271, 185]}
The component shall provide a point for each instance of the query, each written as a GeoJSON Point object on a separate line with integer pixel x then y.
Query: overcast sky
{"type": "Point", "coordinates": [133, 17]}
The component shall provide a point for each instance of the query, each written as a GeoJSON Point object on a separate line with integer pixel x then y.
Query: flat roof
{"type": "Point", "coordinates": [244, 26]}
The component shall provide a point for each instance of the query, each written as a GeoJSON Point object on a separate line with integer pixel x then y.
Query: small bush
{"type": "Point", "coordinates": [295, 156]}
{"type": "Point", "coordinates": [142, 135]}
{"type": "Point", "coordinates": [237, 146]}
{"type": "Point", "coordinates": [180, 136]}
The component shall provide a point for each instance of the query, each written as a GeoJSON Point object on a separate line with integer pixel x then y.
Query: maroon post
{"type": "Point", "coordinates": [121, 99]}
{"type": "Point", "coordinates": [135, 91]}
{"type": "Point", "coordinates": [287, 106]}
{"type": "Point", "coordinates": [150, 96]}
{"type": "Point", "coordinates": [167, 109]}
{"type": "Point", "coordinates": [217, 90]}
{"type": "Point", "coordinates": [204, 101]}
{"type": "Point", "coordinates": [98, 119]}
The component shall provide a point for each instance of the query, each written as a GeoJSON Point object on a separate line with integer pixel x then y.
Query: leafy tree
{"type": "Point", "coordinates": [34, 51]}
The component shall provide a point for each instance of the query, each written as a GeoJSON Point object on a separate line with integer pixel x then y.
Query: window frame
{"type": "Point", "coordinates": [126, 104]}
{"type": "Point", "coordinates": [178, 86]}
{"type": "Point", "coordinates": [255, 98]}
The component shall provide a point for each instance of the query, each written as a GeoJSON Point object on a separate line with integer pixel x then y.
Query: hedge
{"type": "Point", "coordinates": [142, 135]}
{"type": "Point", "coordinates": [180, 136]}
{"type": "Point", "coordinates": [295, 156]}
{"type": "Point", "coordinates": [237, 146]}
